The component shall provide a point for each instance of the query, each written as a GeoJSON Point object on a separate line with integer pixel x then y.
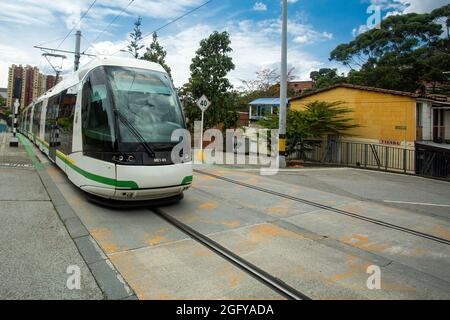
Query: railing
{"type": "Point", "coordinates": [353, 154]}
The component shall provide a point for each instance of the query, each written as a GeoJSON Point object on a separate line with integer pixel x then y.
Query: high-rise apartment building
{"type": "Point", "coordinates": [26, 84]}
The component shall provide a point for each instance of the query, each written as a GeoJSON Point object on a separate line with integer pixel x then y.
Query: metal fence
{"type": "Point", "coordinates": [353, 154]}
{"type": "Point", "coordinates": [433, 161]}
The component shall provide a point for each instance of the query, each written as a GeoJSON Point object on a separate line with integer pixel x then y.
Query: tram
{"type": "Point", "coordinates": [109, 127]}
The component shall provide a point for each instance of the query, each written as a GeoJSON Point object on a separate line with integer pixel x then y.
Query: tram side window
{"type": "Point", "coordinates": [37, 118]}
{"type": "Point", "coordinates": [65, 119]}
{"type": "Point", "coordinates": [29, 120]}
{"type": "Point", "coordinates": [25, 129]}
{"type": "Point", "coordinates": [50, 116]}
{"type": "Point", "coordinates": [97, 124]}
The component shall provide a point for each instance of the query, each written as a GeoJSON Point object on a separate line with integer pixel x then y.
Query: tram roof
{"type": "Point", "coordinates": [77, 76]}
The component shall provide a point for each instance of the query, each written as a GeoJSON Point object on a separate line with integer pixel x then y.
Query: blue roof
{"type": "Point", "coordinates": [266, 102]}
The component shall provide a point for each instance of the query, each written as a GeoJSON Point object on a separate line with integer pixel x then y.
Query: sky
{"type": "Point", "coordinates": [315, 28]}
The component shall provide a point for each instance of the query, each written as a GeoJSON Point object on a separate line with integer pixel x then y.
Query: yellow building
{"type": "Point", "coordinates": [384, 116]}
{"type": "Point", "coordinates": [400, 131]}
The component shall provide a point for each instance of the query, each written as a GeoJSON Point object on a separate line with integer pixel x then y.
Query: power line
{"type": "Point", "coordinates": [112, 21]}
{"type": "Point", "coordinates": [179, 18]}
{"type": "Point", "coordinates": [90, 44]}
{"type": "Point", "coordinates": [170, 22]}
{"type": "Point", "coordinates": [76, 25]}
{"type": "Point", "coordinates": [47, 42]}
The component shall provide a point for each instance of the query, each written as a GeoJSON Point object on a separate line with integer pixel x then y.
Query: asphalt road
{"type": "Point", "coordinates": [320, 253]}
{"type": "Point", "coordinates": [416, 194]}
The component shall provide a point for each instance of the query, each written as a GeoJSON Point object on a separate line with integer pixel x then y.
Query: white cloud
{"type": "Point", "coordinates": [37, 21]}
{"type": "Point", "coordinates": [260, 6]}
{"type": "Point", "coordinates": [253, 50]}
{"type": "Point", "coordinates": [420, 6]}
{"type": "Point", "coordinates": [256, 44]}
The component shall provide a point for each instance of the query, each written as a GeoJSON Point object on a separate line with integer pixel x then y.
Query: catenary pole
{"type": "Point", "coordinates": [283, 89]}
{"type": "Point", "coordinates": [77, 49]}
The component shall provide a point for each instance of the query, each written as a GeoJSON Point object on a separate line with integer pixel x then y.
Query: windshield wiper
{"type": "Point", "coordinates": [136, 133]}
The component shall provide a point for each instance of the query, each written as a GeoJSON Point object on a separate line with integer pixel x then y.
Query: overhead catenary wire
{"type": "Point", "coordinates": [90, 45]}
{"type": "Point", "coordinates": [50, 41]}
{"type": "Point", "coordinates": [112, 21]}
{"type": "Point", "coordinates": [170, 22]}
{"type": "Point", "coordinates": [76, 25]}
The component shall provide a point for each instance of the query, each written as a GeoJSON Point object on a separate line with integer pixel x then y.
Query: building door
{"type": "Point", "coordinates": [438, 125]}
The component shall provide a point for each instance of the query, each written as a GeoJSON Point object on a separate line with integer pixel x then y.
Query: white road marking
{"type": "Point", "coordinates": [418, 203]}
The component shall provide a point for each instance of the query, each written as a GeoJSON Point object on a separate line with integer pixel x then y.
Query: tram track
{"type": "Point", "coordinates": [329, 208]}
{"type": "Point", "coordinates": [262, 276]}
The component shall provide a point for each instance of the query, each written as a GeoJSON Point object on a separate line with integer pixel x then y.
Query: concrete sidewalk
{"type": "Point", "coordinates": [35, 247]}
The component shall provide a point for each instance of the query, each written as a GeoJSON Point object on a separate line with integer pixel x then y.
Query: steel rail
{"type": "Point", "coordinates": [262, 276]}
{"type": "Point", "coordinates": [329, 208]}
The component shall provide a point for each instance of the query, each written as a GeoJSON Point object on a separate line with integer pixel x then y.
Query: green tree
{"type": "Point", "coordinates": [156, 53]}
{"type": "Point", "coordinates": [318, 120]}
{"type": "Point", "coordinates": [326, 77]}
{"type": "Point", "coordinates": [209, 69]}
{"type": "Point", "coordinates": [405, 52]}
{"type": "Point", "coordinates": [135, 38]}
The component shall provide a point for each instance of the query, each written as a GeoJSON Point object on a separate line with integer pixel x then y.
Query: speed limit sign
{"type": "Point", "coordinates": [203, 103]}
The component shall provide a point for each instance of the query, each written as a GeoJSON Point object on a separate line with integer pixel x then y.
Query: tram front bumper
{"type": "Point", "coordinates": [136, 195]}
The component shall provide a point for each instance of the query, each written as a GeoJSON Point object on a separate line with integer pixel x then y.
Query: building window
{"type": "Point", "coordinates": [419, 116]}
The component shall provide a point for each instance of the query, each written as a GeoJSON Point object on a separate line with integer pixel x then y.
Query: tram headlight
{"type": "Point", "coordinates": [124, 158]}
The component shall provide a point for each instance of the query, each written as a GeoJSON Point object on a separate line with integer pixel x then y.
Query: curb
{"type": "Point", "coordinates": [109, 280]}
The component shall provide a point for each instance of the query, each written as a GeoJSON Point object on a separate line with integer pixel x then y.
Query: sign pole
{"type": "Point", "coordinates": [201, 136]}
{"type": "Point", "coordinates": [203, 103]}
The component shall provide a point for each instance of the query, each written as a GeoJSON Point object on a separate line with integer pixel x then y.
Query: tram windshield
{"type": "Point", "coordinates": [148, 102]}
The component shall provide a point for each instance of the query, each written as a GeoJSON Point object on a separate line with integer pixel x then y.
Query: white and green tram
{"type": "Point", "coordinates": [109, 128]}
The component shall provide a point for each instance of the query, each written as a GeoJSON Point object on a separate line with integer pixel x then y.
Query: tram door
{"type": "Point", "coordinates": [52, 117]}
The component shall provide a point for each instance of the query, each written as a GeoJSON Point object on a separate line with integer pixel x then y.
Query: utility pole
{"type": "Point", "coordinates": [77, 49]}
{"type": "Point", "coordinates": [283, 89]}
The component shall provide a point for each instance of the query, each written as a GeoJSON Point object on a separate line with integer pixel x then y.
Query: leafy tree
{"type": "Point", "coordinates": [156, 53]}
{"type": "Point", "coordinates": [326, 77]}
{"type": "Point", "coordinates": [209, 69]}
{"type": "Point", "coordinates": [135, 38]}
{"type": "Point", "coordinates": [266, 80]}
{"type": "Point", "coordinates": [405, 52]}
{"type": "Point", "coordinates": [317, 120]}
{"type": "Point", "coordinates": [2, 101]}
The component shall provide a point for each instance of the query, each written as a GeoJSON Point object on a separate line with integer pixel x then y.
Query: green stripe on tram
{"type": "Point", "coordinates": [97, 178]}
{"type": "Point", "coordinates": [84, 173]}
{"type": "Point", "coordinates": [187, 180]}
{"type": "Point", "coordinates": [100, 179]}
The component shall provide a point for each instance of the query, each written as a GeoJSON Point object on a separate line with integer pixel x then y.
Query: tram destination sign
{"type": "Point", "coordinates": [203, 103]}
